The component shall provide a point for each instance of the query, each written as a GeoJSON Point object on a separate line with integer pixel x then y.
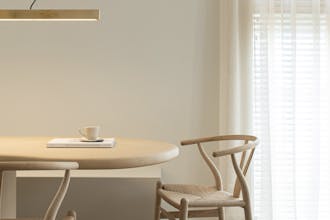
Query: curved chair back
{"type": "Point", "coordinates": [246, 150]}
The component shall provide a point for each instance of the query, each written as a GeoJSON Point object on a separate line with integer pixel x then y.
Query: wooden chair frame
{"type": "Point", "coordinates": [208, 209]}
{"type": "Point", "coordinates": [54, 206]}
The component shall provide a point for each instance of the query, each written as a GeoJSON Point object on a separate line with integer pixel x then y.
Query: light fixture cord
{"type": "Point", "coordinates": [31, 6]}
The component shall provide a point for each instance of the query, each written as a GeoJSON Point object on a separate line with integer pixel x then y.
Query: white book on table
{"type": "Point", "coordinates": [80, 143]}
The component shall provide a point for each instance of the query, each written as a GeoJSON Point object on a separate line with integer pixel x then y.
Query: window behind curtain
{"type": "Point", "coordinates": [291, 110]}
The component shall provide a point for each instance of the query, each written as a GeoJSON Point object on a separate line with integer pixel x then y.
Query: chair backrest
{"type": "Point", "coordinates": [246, 150]}
{"type": "Point", "coordinates": [35, 165]}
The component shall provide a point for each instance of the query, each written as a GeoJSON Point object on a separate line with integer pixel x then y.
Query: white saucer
{"type": "Point", "coordinates": [97, 140]}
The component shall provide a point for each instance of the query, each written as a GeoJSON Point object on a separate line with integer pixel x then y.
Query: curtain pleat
{"type": "Point", "coordinates": [235, 80]}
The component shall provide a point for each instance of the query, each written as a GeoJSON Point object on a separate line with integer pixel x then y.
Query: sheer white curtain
{"type": "Point", "coordinates": [291, 76]}
{"type": "Point", "coordinates": [235, 79]}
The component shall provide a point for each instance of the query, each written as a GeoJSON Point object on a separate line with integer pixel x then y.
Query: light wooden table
{"type": "Point", "coordinates": [127, 153]}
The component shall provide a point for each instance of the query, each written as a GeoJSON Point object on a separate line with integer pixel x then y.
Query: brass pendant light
{"type": "Point", "coordinates": [49, 14]}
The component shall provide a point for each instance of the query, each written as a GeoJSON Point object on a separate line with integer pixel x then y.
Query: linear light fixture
{"type": "Point", "coordinates": [50, 14]}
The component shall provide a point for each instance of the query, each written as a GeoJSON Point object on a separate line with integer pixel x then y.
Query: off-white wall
{"type": "Point", "coordinates": [148, 69]}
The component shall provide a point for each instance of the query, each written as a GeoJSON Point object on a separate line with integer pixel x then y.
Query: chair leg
{"type": "Point", "coordinates": [158, 201]}
{"type": "Point", "coordinates": [221, 213]}
{"type": "Point", "coordinates": [70, 215]}
{"type": "Point", "coordinates": [247, 211]}
{"type": "Point", "coordinates": [184, 209]}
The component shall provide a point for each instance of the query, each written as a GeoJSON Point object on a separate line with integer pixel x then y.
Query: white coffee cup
{"type": "Point", "coordinates": [90, 132]}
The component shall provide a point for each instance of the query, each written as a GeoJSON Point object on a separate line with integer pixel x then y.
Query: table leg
{"type": "Point", "coordinates": [8, 195]}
